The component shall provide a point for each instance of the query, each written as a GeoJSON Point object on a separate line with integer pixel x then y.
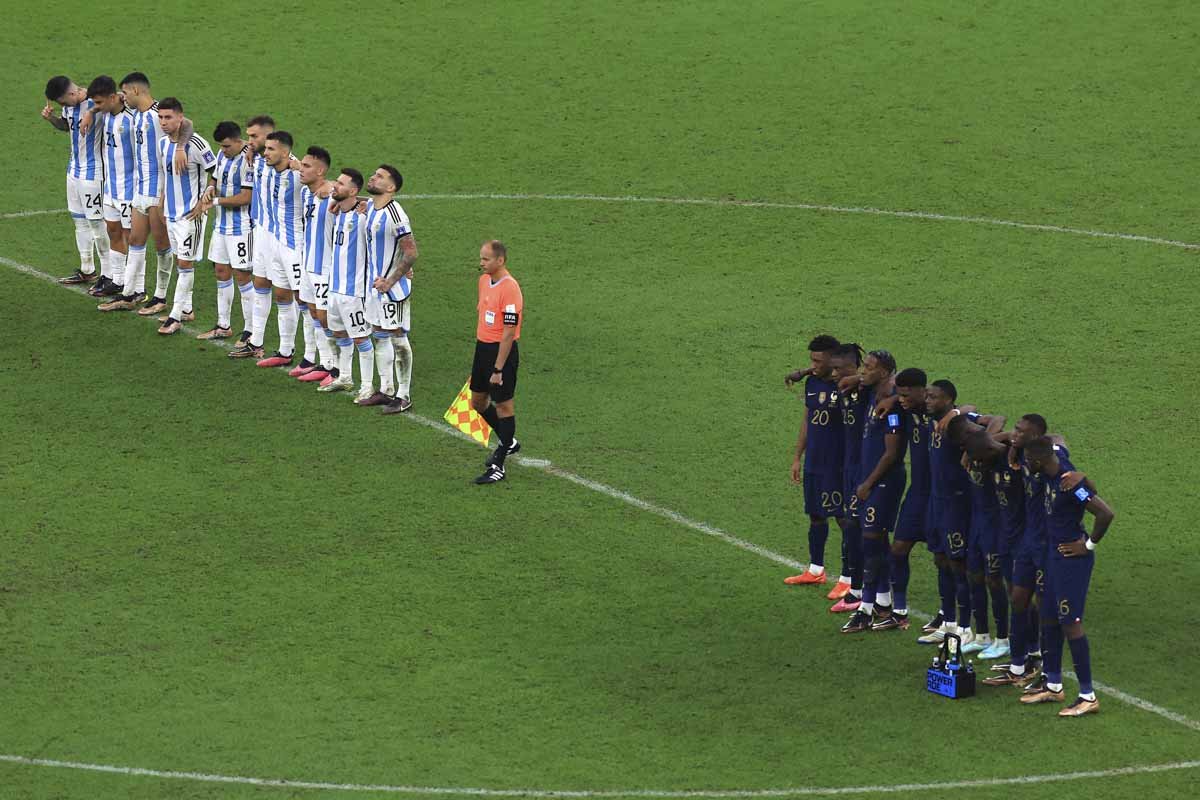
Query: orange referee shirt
{"type": "Point", "coordinates": [500, 304]}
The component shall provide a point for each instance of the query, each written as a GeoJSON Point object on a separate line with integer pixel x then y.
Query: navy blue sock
{"type": "Point", "coordinates": [1033, 624]}
{"type": "Point", "coordinates": [1052, 651]}
{"type": "Point", "coordinates": [872, 563]}
{"type": "Point", "coordinates": [852, 536]}
{"type": "Point", "coordinates": [962, 592]}
{"type": "Point", "coordinates": [845, 557]}
{"type": "Point", "coordinates": [1019, 638]}
{"type": "Point", "coordinates": [979, 605]}
{"type": "Point", "coordinates": [900, 575]}
{"type": "Point", "coordinates": [1000, 609]}
{"type": "Point", "coordinates": [946, 589]}
{"type": "Point", "coordinates": [883, 583]}
{"type": "Point", "coordinates": [818, 532]}
{"type": "Point", "coordinates": [1081, 655]}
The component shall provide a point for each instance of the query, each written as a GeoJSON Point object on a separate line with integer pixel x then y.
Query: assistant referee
{"type": "Point", "coordinates": [494, 373]}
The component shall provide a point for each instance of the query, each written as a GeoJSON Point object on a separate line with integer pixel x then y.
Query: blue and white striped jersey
{"type": "Point", "coordinates": [231, 176]}
{"type": "Point", "coordinates": [85, 160]}
{"type": "Point", "coordinates": [284, 209]}
{"type": "Point", "coordinates": [385, 228]}
{"type": "Point", "coordinates": [348, 254]}
{"type": "Point", "coordinates": [182, 190]}
{"type": "Point", "coordinates": [120, 160]}
{"type": "Point", "coordinates": [146, 133]}
{"type": "Point", "coordinates": [257, 173]}
{"type": "Point", "coordinates": [318, 225]}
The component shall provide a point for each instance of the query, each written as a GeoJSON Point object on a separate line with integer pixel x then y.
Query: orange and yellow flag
{"type": "Point", "coordinates": [462, 417]}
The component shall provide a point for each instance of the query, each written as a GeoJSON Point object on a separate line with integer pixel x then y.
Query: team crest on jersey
{"type": "Point", "coordinates": [821, 398]}
{"type": "Point", "coordinates": [833, 397]}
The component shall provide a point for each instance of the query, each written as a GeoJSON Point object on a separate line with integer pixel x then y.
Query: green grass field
{"type": "Point", "coordinates": [208, 568]}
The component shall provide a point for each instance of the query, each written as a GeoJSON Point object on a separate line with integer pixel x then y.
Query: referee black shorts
{"type": "Point", "coordinates": [485, 362]}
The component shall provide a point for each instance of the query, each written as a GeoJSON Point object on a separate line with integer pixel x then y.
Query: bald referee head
{"type": "Point", "coordinates": [497, 355]}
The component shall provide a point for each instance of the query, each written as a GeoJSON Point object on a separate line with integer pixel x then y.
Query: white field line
{"type": "Point", "coordinates": [673, 516]}
{"type": "Point", "coordinates": [810, 791]}
{"type": "Point", "coordinates": [34, 213]}
{"type": "Point", "coordinates": [718, 203]}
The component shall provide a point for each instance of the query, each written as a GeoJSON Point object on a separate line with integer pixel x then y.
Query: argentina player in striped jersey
{"type": "Point", "coordinates": [229, 192]}
{"type": "Point", "coordinates": [348, 289]}
{"type": "Point", "coordinates": [182, 205]}
{"type": "Point", "coordinates": [391, 253]}
{"type": "Point", "coordinates": [285, 269]}
{"type": "Point", "coordinates": [115, 122]}
{"type": "Point", "coordinates": [257, 130]}
{"type": "Point", "coordinates": [316, 201]}
{"type": "Point", "coordinates": [84, 174]}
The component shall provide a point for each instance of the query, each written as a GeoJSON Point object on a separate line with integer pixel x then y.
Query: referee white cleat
{"type": "Point", "coordinates": [493, 474]}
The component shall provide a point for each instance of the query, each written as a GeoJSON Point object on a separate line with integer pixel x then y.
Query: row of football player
{"type": "Point", "coordinates": [1001, 512]}
{"type": "Point", "coordinates": [336, 265]}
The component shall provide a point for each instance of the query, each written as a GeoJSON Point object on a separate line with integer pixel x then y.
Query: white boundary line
{"type": "Point", "coordinates": [680, 519]}
{"type": "Point", "coordinates": [717, 203]}
{"type": "Point", "coordinates": [811, 791]}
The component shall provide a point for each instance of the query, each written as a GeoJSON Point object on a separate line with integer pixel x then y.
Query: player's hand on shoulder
{"type": "Point", "coordinates": [886, 405]}
{"type": "Point", "coordinates": [796, 377]}
{"type": "Point", "coordinates": [85, 121]}
{"type": "Point", "coordinates": [324, 191]}
{"type": "Point", "coordinates": [361, 207]}
{"type": "Point", "coordinates": [181, 158]}
{"type": "Point", "coordinates": [849, 383]}
{"type": "Point", "coordinates": [1069, 480]}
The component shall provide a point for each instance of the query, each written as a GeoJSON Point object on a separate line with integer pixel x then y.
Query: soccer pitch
{"type": "Point", "coordinates": [219, 584]}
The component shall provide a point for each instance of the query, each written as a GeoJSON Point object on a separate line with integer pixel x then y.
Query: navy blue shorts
{"type": "Point", "coordinates": [953, 520]}
{"type": "Point", "coordinates": [823, 494]}
{"type": "Point", "coordinates": [1027, 562]}
{"type": "Point", "coordinates": [983, 549]}
{"type": "Point", "coordinates": [1067, 581]}
{"type": "Point", "coordinates": [879, 511]}
{"type": "Point", "coordinates": [913, 524]}
{"type": "Point", "coordinates": [849, 498]}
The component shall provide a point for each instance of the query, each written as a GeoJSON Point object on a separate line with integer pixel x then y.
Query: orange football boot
{"type": "Point", "coordinates": [840, 590]}
{"type": "Point", "coordinates": [806, 578]}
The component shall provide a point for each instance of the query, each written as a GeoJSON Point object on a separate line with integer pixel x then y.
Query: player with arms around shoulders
{"type": "Point", "coordinates": [845, 362]}
{"type": "Point", "coordinates": [317, 202]}
{"type": "Point", "coordinates": [229, 191]}
{"type": "Point", "coordinates": [115, 124]}
{"type": "Point", "coordinates": [183, 207]}
{"type": "Point", "coordinates": [285, 267]}
{"type": "Point", "coordinates": [817, 464]}
{"type": "Point", "coordinates": [84, 174]}
{"type": "Point", "coordinates": [497, 354]}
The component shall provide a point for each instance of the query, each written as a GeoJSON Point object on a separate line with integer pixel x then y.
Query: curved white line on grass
{"type": "Point", "coordinates": [812, 791]}
{"type": "Point", "coordinates": [680, 519]}
{"type": "Point", "coordinates": [716, 202]}
{"type": "Point", "coordinates": [878, 212]}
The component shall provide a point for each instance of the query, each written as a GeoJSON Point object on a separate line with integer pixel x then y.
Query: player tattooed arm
{"type": "Point", "coordinates": [402, 265]}
{"type": "Point", "coordinates": [56, 121]}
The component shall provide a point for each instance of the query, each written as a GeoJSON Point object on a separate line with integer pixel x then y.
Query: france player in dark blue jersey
{"type": "Point", "coordinates": [852, 400]}
{"type": "Point", "coordinates": [880, 489]}
{"type": "Point", "coordinates": [817, 465]}
{"type": "Point", "coordinates": [1070, 557]}
{"type": "Point", "coordinates": [993, 527]}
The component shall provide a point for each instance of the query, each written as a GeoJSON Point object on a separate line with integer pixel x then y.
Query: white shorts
{"type": "Point", "coordinates": [262, 250]}
{"type": "Point", "coordinates": [348, 314]}
{"type": "Point", "coordinates": [119, 211]}
{"type": "Point", "coordinates": [287, 268]}
{"type": "Point", "coordinates": [318, 290]}
{"type": "Point", "coordinates": [388, 314]}
{"type": "Point", "coordinates": [232, 249]}
{"type": "Point", "coordinates": [187, 238]}
{"type": "Point", "coordinates": [83, 198]}
{"type": "Point", "coordinates": [144, 202]}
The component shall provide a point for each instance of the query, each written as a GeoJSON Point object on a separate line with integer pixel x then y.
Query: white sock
{"type": "Point", "coordinates": [324, 344]}
{"type": "Point", "coordinates": [366, 363]}
{"type": "Point", "coordinates": [1016, 669]}
{"type": "Point", "coordinates": [224, 302]}
{"type": "Point", "coordinates": [100, 239]}
{"type": "Point", "coordinates": [183, 293]}
{"type": "Point", "coordinates": [164, 267]}
{"type": "Point", "coordinates": [1089, 696]}
{"type": "Point", "coordinates": [900, 612]}
{"type": "Point", "coordinates": [385, 358]}
{"type": "Point", "coordinates": [246, 293]}
{"type": "Point", "coordinates": [883, 599]}
{"type": "Point", "coordinates": [843, 579]}
{"type": "Point", "coordinates": [83, 243]}
{"type": "Point", "coordinates": [310, 338]}
{"type": "Point", "coordinates": [816, 569]}
{"type": "Point", "coordinates": [286, 320]}
{"type": "Point", "coordinates": [1054, 687]}
{"type": "Point", "coordinates": [856, 594]}
{"type": "Point", "coordinates": [135, 270]}
{"type": "Point", "coordinates": [116, 267]}
{"type": "Point", "coordinates": [867, 608]}
{"type": "Point", "coordinates": [345, 358]}
{"type": "Point", "coordinates": [404, 364]}
{"type": "Point", "coordinates": [262, 312]}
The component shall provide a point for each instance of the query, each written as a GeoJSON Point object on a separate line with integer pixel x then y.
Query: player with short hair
{"type": "Point", "coordinates": [257, 130]}
{"type": "Point", "coordinates": [391, 253]}
{"type": "Point", "coordinates": [984, 568]}
{"type": "Point", "coordinates": [183, 207]}
{"type": "Point", "coordinates": [880, 489]}
{"type": "Point", "coordinates": [229, 191]}
{"type": "Point", "coordinates": [114, 121]}
{"type": "Point", "coordinates": [1070, 558]}
{"type": "Point", "coordinates": [147, 202]}
{"type": "Point", "coordinates": [497, 355]}
{"type": "Point", "coordinates": [817, 464]}
{"type": "Point", "coordinates": [845, 362]}
{"type": "Point", "coordinates": [316, 199]}
{"type": "Point", "coordinates": [84, 174]}
{"type": "Point", "coordinates": [347, 314]}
